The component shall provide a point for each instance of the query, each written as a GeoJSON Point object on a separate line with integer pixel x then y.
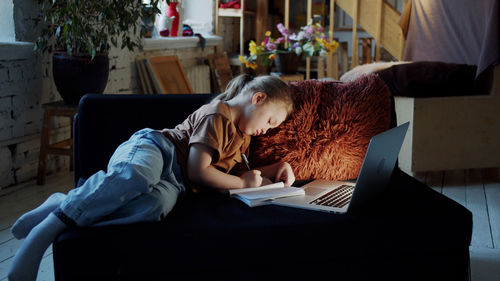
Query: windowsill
{"type": "Point", "coordinates": [149, 44]}
{"type": "Point", "coordinates": [16, 50]}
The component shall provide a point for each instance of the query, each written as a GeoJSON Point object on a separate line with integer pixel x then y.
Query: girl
{"type": "Point", "coordinates": [147, 173]}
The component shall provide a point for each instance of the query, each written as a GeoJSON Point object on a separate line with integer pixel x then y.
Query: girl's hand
{"type": "Point", "coordinates": [284, 173]}
{"type": "Point", "coordinates": [251, 178]}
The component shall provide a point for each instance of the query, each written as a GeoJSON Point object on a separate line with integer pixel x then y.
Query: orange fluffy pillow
{"type": "Point", "coordinates": [328, 133]}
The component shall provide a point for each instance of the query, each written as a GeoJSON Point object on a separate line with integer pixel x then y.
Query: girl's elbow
{"type": "Point", "coordinates": [193, 174]}
{"type": "Point", "coordinates": [196, 173]}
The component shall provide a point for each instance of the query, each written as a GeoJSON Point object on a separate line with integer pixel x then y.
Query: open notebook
{"type": "Point", "coordinates": [256, 196]}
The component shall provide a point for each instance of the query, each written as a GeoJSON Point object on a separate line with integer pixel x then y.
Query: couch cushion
{"type": "Point", "coordinates": [328, 133]}
{"type": "Point", "coordinates": [433, 79]}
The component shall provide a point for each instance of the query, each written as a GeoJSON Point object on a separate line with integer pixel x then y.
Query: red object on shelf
{"type": "Point", "coordinates": [172, 12]}
{"type": "Point", "coordinates": [165, 32]}
{"type": "Point", "coordinates": [236, 4]}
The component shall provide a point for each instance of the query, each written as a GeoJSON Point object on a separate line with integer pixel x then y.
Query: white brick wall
{"type": "Point", "coordinates": [6, 167]}
{"type": "Point", "coordinates": [5, 118]}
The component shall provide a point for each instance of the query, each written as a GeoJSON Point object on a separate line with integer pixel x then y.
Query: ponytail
{"type": "Point", "coordinates": [234, 87]}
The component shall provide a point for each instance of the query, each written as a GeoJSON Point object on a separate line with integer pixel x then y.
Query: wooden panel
{"type": "Point", "coordinates": [170, 75]}
{"type": "Point", "coordinates": [321, 67]}
{"type": "Point", "coordinates": [476, 203]}
{"type": "Point", "coordinates": [378, 30]}
{"type": "Point", "coordinates": [344, 57]}
{"type": "Point", "coordinates": [332, 63]}
{"type": "Point", "coordinates": [391, 34]}
{"type": "Point", "coordinates": [451, 132]}
{"type": "Point", "coordinates": [355, 42]}
{"type": "Point", "coordinates": [287, 14]}
{"type": "Point", "coordinates": [261, 20]}
{"type": "Point", "coordinates": [456, 133]}
{"type": "Point", "coordinates": [230, 12]}
{"type": "Point", "coordinates": [221, 71]}
{"type": "Point", "coordinates": [366, 51]}
{"type": "Point", "coordinates": [288, 77]}
{"type": "Point", "coordinates": [308, 59]}
{"type": "Point", "coordinates": [242, 33]}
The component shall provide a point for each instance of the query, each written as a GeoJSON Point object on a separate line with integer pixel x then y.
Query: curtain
{"type": "Point", "coordinates": [456, 31]}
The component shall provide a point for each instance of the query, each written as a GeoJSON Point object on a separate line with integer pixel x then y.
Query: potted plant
{"type": "Point", "coordinates": [80, 34]}
{"type": "Point", "coordinates": [288, 49]}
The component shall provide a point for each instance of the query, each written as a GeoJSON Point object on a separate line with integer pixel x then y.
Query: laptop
{"type": "Point", "coordinates": [373, 178]}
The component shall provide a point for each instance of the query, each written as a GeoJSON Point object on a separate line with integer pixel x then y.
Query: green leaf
{"type": "Point", "coordinates": [91, 25]}
{"type": "Point", "coordinates": [308, 49]}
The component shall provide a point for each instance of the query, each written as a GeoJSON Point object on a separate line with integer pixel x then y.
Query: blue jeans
{"type": "Point", "coordinates": [142, 183]}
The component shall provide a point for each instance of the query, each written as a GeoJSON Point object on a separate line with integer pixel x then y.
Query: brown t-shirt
{"type": "Point", "coordinates": [212, 126]}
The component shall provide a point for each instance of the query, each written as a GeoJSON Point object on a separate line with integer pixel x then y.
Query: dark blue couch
{"type": "Point", "coordinates": [414, 233]}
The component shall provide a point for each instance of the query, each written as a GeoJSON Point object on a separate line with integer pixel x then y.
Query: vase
{"type": "Point", "coordinates": [172, 12]}
{"type": "Point", "coordinates": [77, 75]}
{"type": "Point", "coordinates": [287, 62]}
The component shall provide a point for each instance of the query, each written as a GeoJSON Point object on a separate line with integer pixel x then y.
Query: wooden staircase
{"type": "Point", "coordinates": [379, 19]}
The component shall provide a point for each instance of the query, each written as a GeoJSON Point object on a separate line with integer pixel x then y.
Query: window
{"type": "Point", "coordinates": [7, 33]}
{"type": "Point", "coordinates": [196, 13]}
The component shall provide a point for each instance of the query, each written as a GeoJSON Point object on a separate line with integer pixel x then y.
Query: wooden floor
{"type": "Point", "coordinates": [477, 190]}
{"type": "Point", "coordinates": [14, 202]}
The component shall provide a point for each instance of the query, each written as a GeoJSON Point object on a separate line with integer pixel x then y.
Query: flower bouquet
{"type": "Point", "coordinates": [309, 41]}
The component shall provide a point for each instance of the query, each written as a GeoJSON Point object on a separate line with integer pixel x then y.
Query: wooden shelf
{"type": "Point", "coordinates": [229, 12]}
{"type": "Point", "coordinates": [234, 60]}
{"type": "Point", "coordinates": [234, 13]}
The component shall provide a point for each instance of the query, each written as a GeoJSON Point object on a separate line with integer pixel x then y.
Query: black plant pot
{"type": "Point", "coordinates": [78, 75]}
{"type": "Point", "coordinates": [287, 62]}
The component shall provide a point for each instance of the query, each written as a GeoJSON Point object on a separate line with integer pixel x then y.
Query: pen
{"type": "Point", "coordinates": [245, 160]}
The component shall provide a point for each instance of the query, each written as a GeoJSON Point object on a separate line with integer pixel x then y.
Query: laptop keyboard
{"type": "Point", "coordinates": [338, 197]}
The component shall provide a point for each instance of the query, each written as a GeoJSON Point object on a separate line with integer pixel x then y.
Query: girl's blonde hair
{"type": "Point", "coordinates": [275, 89]}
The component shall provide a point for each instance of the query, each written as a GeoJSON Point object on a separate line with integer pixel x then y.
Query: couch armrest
{"type": "Point", "coordinates": [105, 121]}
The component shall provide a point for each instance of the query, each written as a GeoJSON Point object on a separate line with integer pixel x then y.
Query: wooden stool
{"type": "Point", "coordinates": [64, 147]}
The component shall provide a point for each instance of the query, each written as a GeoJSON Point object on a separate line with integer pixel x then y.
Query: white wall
{"type": "Point", "coordinates": [198, 14]}
{"type": "Point", "coordinates": [7, 21]}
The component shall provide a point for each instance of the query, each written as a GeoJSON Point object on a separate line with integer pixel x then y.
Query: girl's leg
{"type": "Point", "coordinates": [27, 259]}
{"type": "Point", "coordinates": [26, 222]}
{"type": "Point", "coordinates": [156, 204]}
{"type": "Point", "coordinates": [148, 207]}
{"type": "Point", "coordinates": [134, 168]}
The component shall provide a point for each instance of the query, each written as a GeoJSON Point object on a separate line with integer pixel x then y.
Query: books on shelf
{"type": "Point", "coordinates": [262, 195]}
